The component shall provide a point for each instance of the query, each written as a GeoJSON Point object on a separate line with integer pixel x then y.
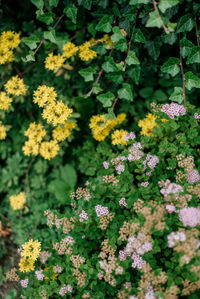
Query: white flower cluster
{"type": "Point", "coordinates": [175, 237]}
{"type": "Point", "coordinates": [100, 210]}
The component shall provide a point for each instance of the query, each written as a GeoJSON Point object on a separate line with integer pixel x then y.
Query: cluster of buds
{"type": "Point", "coordinates": [100, 210]}
{"type": "Point", "coordinates": [173, 110]}
{"type": "Point", "coordinates": [169, 188]}
{"type": "Point", "coordinates": [135, 152]}
{"type": "Point", "coordinates": [122, 202]}
{"type": "Point", "coordinates": [83, 216]}
{"type": "Point", "coordinates": [175, 237]}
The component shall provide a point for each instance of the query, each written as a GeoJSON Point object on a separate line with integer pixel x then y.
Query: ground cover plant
{"type": "Point", "coordinates": [99, 144]}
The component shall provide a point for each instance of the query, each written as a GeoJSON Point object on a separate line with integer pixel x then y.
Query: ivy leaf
{"type": "Point", "coordinates": [153, 48]}
{"type": "Point", "coordinates": [177, 95]}
{"type": "Point", "coordinates": [194, 55]}
{"type": "Point", "coordinates": [50, 35]}
{"type": "Point", "coordinates": [185, 23]}
{"type": "Point", "coordinates": [87, 74]}
{"type": "Point", "coordinates": [171, 66]}
{"type": "Point", "coordinates": [165, 4]}
{"type": "Point", "coordinates": [29, 57]}
{"type": "Point", "coordinates": [125, 92]}
{"type": "Point", "coordinates": [106, 99]}
{"type": "Point", "coordinates": [71, 12]}
{"type": "Point", "coordinates": [85, 3]}
{"type": "Point", "coordinates": [154, 20]}
{"type": "Point", "coordinates": [53, 3]}
{"type": "Point", "coordinates": [38, 3]}
{"type": "Point", "coordinates": [104, 25]}
{"type": "Point", "coordinates": [117, 34]}
{"type": "Point", "coordinates": [110, 114]}
{"type": "Point", "coordinates": [47, 18]}
{"type": "Point", "coordinates": [138, 36]}
{"type": "Point", "coordinates": [132, 58]}
{"type": "Point", "coordinates": [135, 2]}
{"type": "Point", "coordinates": [134, 74]}
{"type": "Point", "coordinates": [96, 88]}
{"type": "Point", "coordinates": [31, 41]}
{"type": "Point", "coordinates": [68, 174]}
{"type": "Point", "coordinates": [121, 45]}
{"type": "Point", "coordinates": [169, 38]}
{"type": "Point", "coordinates": [191, 81]}
{"type": "Point", "coordinates": [186, 47]}
{"type": "Point", "coordinates": [109, 65]}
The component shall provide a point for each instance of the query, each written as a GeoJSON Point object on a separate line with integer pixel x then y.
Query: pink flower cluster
{"type": "Point", "coordinates": [24, 283]}
{"type": "Point", "coordinates": [120, 168]}
{"type": "Point", "coordinates": [151, 161]}
{"type": "Point", "coordinates": [175, 237]}
{"type": "Point", "coordinates": [189, 216]}
{"type": "Point", "coordinates": [170, 208]}
{"type": "Point", "coordinates": [65, 289]}
{"type": "Point", "coordinates": [100, 210]}
{"type": "Point", "coordinates": [83, 216]}
{"type": "Point", "coordinates": [169, 188]}
{"type": "Point", "coordinates": [39, 274]}
{"type": "Point", "coordinates": [138, 262]}
{"type": "Point", "coordinates": [135, 153]}
{"type": "Point", "coordinates": [106, 164]}
{"type": "Point", "coordinates": [129, 136]}
{"type": "Point", "coordinates": [145, 184]}
{"type": "Point", "coordinates": [193, 176]}
{"type": "Point", "coordinates": [173, 109]}
{"type": "Point", "coordinates": [122, 202]}
{"type": "Point", "coordinates": [197, 116]}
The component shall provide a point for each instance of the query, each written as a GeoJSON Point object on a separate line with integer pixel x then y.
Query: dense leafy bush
{"type": "Point", "coordinates": [77, 77]}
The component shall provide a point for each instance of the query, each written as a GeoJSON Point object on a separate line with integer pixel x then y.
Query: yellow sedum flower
{"type": "Point", "coordinates": [30, 148]}
{"type": "Point", "coordinates": [60, 134]}
{"type": "Point", "coordinates": [53, 62]}
{"type": "Point", "coordinates": [6, 55]}
{"type": "Point", "coordinates": [26, 264]}
{"type": "Point", "coordinates": [49, 149]}
{"type": "Point", "coordinates": [16, 86]}
{"type": "Point", "coordinates": [5, 101]}
{"type": "Point", "coordinates": [31, 249]}
{"type": "Point", "coordinates": [118, 137]}
{"type": "Point", "coordinates": [147, 124]}
{"type": "Point", "coordinates": [43, 95]}
{"type": "Point", "coordinates": [56, 113]}
{"type": "Point", "coordinates": [10, 38]}
{"type": "Point", "coordinates": [106, 39]}
{"type": "Point", "coordinates": [86, 53]}
{"type": "Point", "coordinates": [17, 201]}
{"type": "Point", "coordinates": [35, 132]}
{"type": "Point", "coordinates": [2, 131]}
{"type": "Point", "coordinates": [69, 49]}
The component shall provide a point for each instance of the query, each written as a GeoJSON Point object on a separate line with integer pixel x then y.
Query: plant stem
{"type": "Point", "coordinates": [182, 73]}
{"type": "Point", "coordinates": [156, 9]}
{"type": "Point", "coordinates": [197, 32]}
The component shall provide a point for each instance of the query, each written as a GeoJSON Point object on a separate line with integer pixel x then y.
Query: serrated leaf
{"type": "Point", "coordinates": [106, 99]}
{"type": "Point", "coordinates": [117, 34]}
{"type": "Point", "coordinates": [68, 175]}
{"type": "Point", "coordinates": [194, 55]}
{"type": "Point", "coordinates": [132, 58]}
{"type": "Point", "coordinates": [104, 25]}
{"type": "Point", "coordinates": [165, 4]}
{"type": "Point", "coordinates": [109, 65]}
{"type": "Point", "coordinates": [154, 20]}
{"type": "Point", "coordinates": [171, 66]}
{"type": "Point", "coordinates": [47, 18]}
{"type": "Point", "coordinates": [138, 36]}
{"type": "Point", "coordinates": [121, 45]}
{"type": "Point", "coordinates": [53, 3]}
{"type": "Point", "coordinates": [185, 23]}
{"type": "Point", "coordinates": [125, 92]}
{"type": "Point", "coordinates": [186, 47]}
{"type": "Point", "coordinates": [50, 35]}
{"type": "Point", "coordinates": [87, 74]}
{"type": "Point", "coordinates": [191, 81]}
{"type": "Point", "coordinates": [31, 41]}
{"type": "Point", "coordinates": [38, 3]}
{"type": "Point", "coordinates": [177, 95]}
{"type": "Point", "coordinates": [71, 12]}
{"type": "Point", "coordinates": [135, 2]}
{"type": "Point", "coordinates": [85, 3]}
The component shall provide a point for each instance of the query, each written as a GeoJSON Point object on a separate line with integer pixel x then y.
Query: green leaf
{"type": "Point", "coordinates": [177, 95]}
{"type": "Point", "coordinates": [138, 36]}
{"type": "Point", "coordinates": [146, 92]}
{"type": "Point", "coordinates": [121, 45]}
{"type": "Point", "coordinates": [185, 23]}
{"type": "Point", "coordinates": [109, 65]}
{"type": "Point", "coordinates": [53, 3]}
{"type": "Point", "coordinates": [60, 189]}
{"type": "Point", "coordinates": [191, 81]}
{"type": "Point", "coordinates": [153, 48]}
{"type": "Point", "coordinates": [47, 17]}
{"type": "Point", "coordinates": [117, 34]}
{"type": "Point", "coordinates": [96, 88]}
{"type": "Point", "coordinates": [154, 20]}
{"type": "Point", "coordinates": [135, 2]}
{"type": "Point", "coordinates": [104, 25]}
{"type": "Point", "coordinates": [29, 57]}
{"type": "Point", "coordinates": [69, 176]}
{"type": "Point", "coordinates": [106, 99]}
{"type": "Point", "coordinates": [194, 55]}
{"type": "Point", "coordinates": [87, 74]}
{"type": "Point", "coordinates": [165, 4]}
{"type": "Point", "coordinates": [125, 92]}
{"type": "Point", "coordinates": [71, 12]}
{"type": "Point", "coordinates": [31, 41]}
{"type": "Point", "coordinates": [134, 74]}
{"type": "Point", "coordinates": [50, 35]}
{"type": "Point", "coordinates": [110, 114]}
{"type": "Point", "coordinates": [169, 38]}
{"type": "Point", "coordinates": [186, 47]}
{"type": "Point", "coordinates": [132, 58]}
{"type": "Point", "coordinates": [38, 3]}
{"type": "Point", "coordinates": [171, 66]}
{"type": "Point", "coordinates": [85, 3]}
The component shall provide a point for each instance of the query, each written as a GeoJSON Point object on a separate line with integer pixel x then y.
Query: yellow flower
{"type": "Point", "coordinates": [60, 134]}
{"type": "Point", "coordinates": [6, 55]}
{"type": "Point", "coordinates": [85, 53]}
{"type": "Point", "coordinates": [106, 39]}
{"type": "Point", "coordinates": [35, 132]}
{"type": "Point", "coordinates": [55, 274]}
{"type": "Point", "coordinates": [15, 86]}
{"type": "Point", "coordinates": [26, 264]}
{"type": "Point", "coordinates": [147, 124]}
{"type": "Point", "coordinates": [44, 94]}
{"type": "Point", "coordinates": [118, 137]}
{"type": "Point", "coordinates": [53, 62]}
{"type": "Point", "coordinates": [10, 38]}
{"type": "Point", "coordinates": [56, 113]}
{"type": "Point", "coordinates": [17, 201]}
{"type": "Point", "coordinates": [5, 101]}
{"type": "Point", "coordinates": [31, 249]}
{"type": "Point", "coordinates": [69, 49]}
{"type": "Point", "coordinates": [30, 148]}
{"type": "Point", "coordinates": [49, 149]}
{"type": "Point", "coordinates": [2, 131]}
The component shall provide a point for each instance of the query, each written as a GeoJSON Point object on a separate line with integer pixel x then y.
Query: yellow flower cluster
{"type": "Point", "coordinates": [35, 134]}
{"type": "Point", "coordinates": [29, 254]}
{"type": "Point", "coordinates": [69, 50]}
{"type": "Point", "coordinates": [17, 201]}
{"type": "Point", "coordinates": [60, 134]}
{"type": "Point", "coordinates": [86, 53]}
{"type": "Point", "coordinates": [49, 149]}
{"type": "Point", "coordinates": [118, 137]}
{"type": "Point", "coordinates": [9, 40]}
{"type": "Point", "coordinates": [2, 131]}
{"type": "Point", "coordinates": [102, 127]}
{"type": "Point", "coordinates": [44, 94]}
{"type": "Point", "coordinates": [147, 124]}
{"type": "Point", "coordinates": [16, 86]}
{"type": "Point", "coordinates": [5, 101]}
{"type": "Point", "coordinates": [53, 62]}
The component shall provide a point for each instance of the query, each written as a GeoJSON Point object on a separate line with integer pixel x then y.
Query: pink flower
{"type": "Point", "coordinates": [105, 165]}
{"type": "Point", "coordinates": [138, 262]}
{"type": "Point", "coordinates": [100, 210]}
{"type": "Point", "coordinates": [173, 109]}
{"type": "Point", "coordinates": [39, 275]}
{"type": "Point", "coordinates": [145, 184]}
{"type": "Point", "coordinates": [189, 216]}
{"type": "Point", "coordinates": [122, 202]}
{"type": "Point", "coordinates": [83, 215]}
{"type": "Point", "coordinates": [193, 176]}
{"type": "Point", "coordinates": [170, 208]}
{"type": "Point", "coordinates": [24, 283]}
{"type": "Point", "coordinates": [120, 168]}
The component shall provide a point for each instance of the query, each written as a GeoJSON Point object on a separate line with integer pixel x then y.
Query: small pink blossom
{"type": "Point", "coordinates": [122, 202]}
{"type": "Point", "coordinates": [138, 262]}
{"type": "Point", "coordinates": [145, 184]}
{"type": "Point", "coordinates": [189, 216]}
{"type": "Point", "coordinates": [173, 110]}
{"type": "Point", "coordinates": [100, 210]}
{"type": "Point", "coordinates": [83, 216]}
{"type": "Point", "coordinates": [24, 283]}
{"type": "Point", "coordinates": [39, 274]}
{"type": "Point", "coordinates": [170, 208]}
{"type": "Point", "coordinates": [120, 168]}
{"type": "Point", "coordinates": [193, 176]}
{"type": "Point", "coordinates": [106, 165]}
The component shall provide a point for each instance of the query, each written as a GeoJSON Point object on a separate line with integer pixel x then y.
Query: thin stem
{"type": "Point", "coordinates": [115, 102]}
{"type": "Point", "coordinates": [27, 173]}
{"type": "Point", "coordinates": [156, 9]}
{"type": "Point", "coordinates": [197, 32]}
{"type": "Point", "coordinates": [182, 73]}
